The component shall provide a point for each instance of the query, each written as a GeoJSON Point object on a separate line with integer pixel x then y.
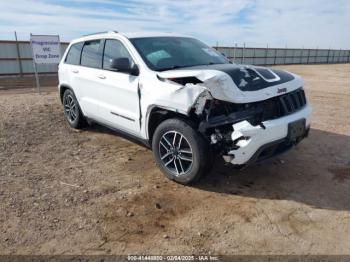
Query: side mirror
{"type": "Point", "coordinates": [123, 65]}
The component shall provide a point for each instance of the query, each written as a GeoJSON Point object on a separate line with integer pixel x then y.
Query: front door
{"type": "Point", "coordinates": [118, 92]}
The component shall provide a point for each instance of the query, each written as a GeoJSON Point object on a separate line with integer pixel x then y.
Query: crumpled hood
{"type": "Point", "coordinates": [239, 83]}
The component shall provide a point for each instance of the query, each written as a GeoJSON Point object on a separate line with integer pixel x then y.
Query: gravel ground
{"type": "Point", "coordinates": [94, 192]}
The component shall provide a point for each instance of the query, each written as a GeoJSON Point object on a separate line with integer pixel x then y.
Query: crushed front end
{"type": "Point", "coordinates": [247, 113]}
{"type": "Point", "coordinates": [250, 132]}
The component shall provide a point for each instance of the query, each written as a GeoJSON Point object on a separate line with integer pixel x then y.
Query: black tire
{"type": "Point", "coordinates": [180, 170]}
{"type": "Point", "coordinates": [72, 110]}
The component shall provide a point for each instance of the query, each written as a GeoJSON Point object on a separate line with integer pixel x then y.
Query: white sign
{"type": "Point", "coordinates": [46, 49]}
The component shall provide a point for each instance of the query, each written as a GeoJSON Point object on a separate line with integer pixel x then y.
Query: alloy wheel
{"type": "Point", "coordinates": [175, 153]}
{"type": "Point", "coordinates": [70, 108]}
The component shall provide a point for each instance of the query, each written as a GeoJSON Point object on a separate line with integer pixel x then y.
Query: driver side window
{"type": "Point", "coordinates": [114, 49]}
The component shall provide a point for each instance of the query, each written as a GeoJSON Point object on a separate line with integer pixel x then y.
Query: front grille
{"type": "Point", "coordinates": [279, 106]}
{"type": "Point", "coordinates": [292, 101]}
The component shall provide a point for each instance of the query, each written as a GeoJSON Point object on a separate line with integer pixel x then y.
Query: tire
{"type": "Point", "coordinates": [72, 110]}
{"type": "Point", "coordinates": [174, 161]}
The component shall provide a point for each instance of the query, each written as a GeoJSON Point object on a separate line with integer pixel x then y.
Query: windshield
{"type": "Point", "coordinates": [164, 53]}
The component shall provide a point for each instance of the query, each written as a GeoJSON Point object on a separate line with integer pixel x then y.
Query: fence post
{"type": "Point", "coordinates": [301, 56]}
{"type": "Point", "coordinates": [316, 55]}
{"type": "Point", "coordinates": [253, 56]}
{"type": "Point", "coordinates": [34, 66]}
{"type": "Point", "coordinates": [234, 52]}
{"type": "Point", "coordinates": [267, 48]}
{"type": "Point", "coordinates": [348, 56]}
{"type": "Point", "coordinates": [329, 50]}
{"type": "Point", "coordinates": [274, 60]}
{"type": "Point", "coordinates": [285, 55]}
{"type": "Point", "coordinates": [243, 53]}
{"type": "Point", "coordinates": [308, 56]}
{"type": "Point", "coordinates": [19, 57]}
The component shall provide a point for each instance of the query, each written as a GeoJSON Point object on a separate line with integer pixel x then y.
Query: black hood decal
{"type": "Point", "coordinates": [246, 78]}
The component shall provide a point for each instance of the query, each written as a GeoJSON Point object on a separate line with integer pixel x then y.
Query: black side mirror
{"type": "Point", "coordinates": [123, 65]}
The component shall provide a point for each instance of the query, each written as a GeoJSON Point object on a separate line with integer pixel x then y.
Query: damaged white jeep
{"type": "Point", "coordinates": [182, 98]}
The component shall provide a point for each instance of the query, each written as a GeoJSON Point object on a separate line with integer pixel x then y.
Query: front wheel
{"type": "Point", "coordinates": [180, 151]}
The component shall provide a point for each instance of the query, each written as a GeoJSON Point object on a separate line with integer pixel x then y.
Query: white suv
{"type": "Point", "coordinates": [182, 98]}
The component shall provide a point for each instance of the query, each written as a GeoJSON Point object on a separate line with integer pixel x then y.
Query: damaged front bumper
{"type": "Point", "coordinates": [255, 143]}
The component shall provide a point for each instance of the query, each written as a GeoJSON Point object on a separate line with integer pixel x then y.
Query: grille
{"type": "Point", "coordinates": [280, 106]}
{"type": "Point", "coordinates": [292, 101]}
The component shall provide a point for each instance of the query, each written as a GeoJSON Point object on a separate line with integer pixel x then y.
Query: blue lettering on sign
{"type": "Point", "coordinates": [41, 56]}
{"type": "Point", "coordinates": [45, 50]}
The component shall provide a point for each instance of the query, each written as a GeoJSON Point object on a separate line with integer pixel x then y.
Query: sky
{"type": "Point", "coordinates": [258, 23]}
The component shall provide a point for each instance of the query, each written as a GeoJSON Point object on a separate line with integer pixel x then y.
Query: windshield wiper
{"type": "Point", "coordinates": [177, 66]}
{"type": "Point", "coordinates": [212, 63]}
{"type": "Point", "coordinates": [170, 67]}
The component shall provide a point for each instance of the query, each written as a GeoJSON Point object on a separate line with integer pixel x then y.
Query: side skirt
{"type": "Point", "coordinates": [123, 134]}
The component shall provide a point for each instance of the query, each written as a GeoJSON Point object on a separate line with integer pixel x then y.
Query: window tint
{"type": "Point", "coordinates": [73, 56]}
{"type": "Point", "coordinates": [91, 55]}
{"type": "Point", "coordinates": [114, 49]}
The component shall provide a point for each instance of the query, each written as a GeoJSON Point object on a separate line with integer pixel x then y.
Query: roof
{"type": "Point", "coordinates": [129, 35]}
{"type": "Point", "coordinates": [150, 34]}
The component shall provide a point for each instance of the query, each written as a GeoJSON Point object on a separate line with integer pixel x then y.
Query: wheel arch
{"type": "Point", "coordinates": [158, 114]}
{"type": "Point", "coordinates": [62, 89]}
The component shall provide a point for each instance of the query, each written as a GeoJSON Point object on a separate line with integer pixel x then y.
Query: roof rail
{"type": "Point", "coordinates": [103, 32]}
{"type": "Point", "coordinates": [97, 33]}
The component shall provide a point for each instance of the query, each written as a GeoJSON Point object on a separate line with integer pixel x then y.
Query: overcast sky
{"type": "Point", "coordinates": [297, 23]}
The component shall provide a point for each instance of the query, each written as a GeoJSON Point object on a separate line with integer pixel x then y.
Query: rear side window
{"type": "Point", "coordinates": [114, 49]}
{"type": "Point", "coordinates": [73, 56]}
{"type": "Point", "coordinates": [91, 55]}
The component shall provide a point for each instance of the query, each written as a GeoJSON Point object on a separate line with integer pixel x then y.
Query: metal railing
{"type": "Point", "coordinates": [284, 56]}
{"type": "Point", "coordinates": [16, 57]}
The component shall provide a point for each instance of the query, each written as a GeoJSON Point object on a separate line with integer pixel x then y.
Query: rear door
{"type": "Point", "coordinates": [69, 68]}
{"type": "Point", "coordinates": [118, 91]}
{"type": "Point", "coordinates": [87, 77]}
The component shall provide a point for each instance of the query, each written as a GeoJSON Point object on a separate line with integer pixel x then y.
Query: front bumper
{"type": "Point", "coordinates": [253, 140]}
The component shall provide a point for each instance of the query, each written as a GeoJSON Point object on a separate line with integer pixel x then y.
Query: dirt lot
{"type": "Point", "coordinates": [93, 192]}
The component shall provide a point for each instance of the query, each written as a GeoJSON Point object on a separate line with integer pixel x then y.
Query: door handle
{"type": "Point", "coordinates": [75, 71]}
{"type": "Point", "coordinates": [101, 76]}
